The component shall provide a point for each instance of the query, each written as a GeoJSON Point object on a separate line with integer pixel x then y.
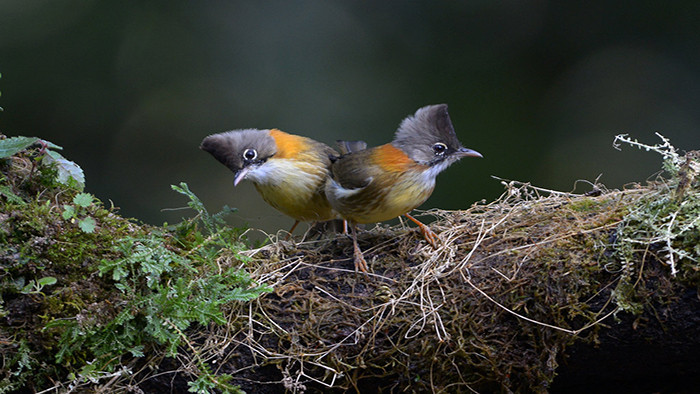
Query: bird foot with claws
{"type": "Point", "coordinates": [428, 234]}
{"type": "Point", "coordinates": [360, 263]}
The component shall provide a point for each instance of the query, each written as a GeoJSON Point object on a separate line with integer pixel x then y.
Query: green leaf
{"type": "Point", "coordinates": [18, 283]}
{"type": "Point", "coordinates": [11, 197]}
{"type": "Point", "coordinates": [119, 272]}
{"type": "Point", "coordinates": [137, 351]}
{"type": "Point", "coordinates": [201, 386]}
{"type": "Point", "coordinates": [47, 281]}
{"type": "Point", "coordinates": [11, 146]}
{"type": "Point", "coordinates": [197, 204]}
{"type": "Point", "coordinates": [68, 212]}
{"type": "Point", "coordinates": [225, 211]}
{"type": "Point", "coordinates": [51, 145]}
{"type": "Point", "coordinates": [82, 200]}
{"type": "Point", "coordinates": [67, 170]}
{"type": "Point", "coordinates": [87, 225]}
{"type": "Point", "coordinates": [90, 372]}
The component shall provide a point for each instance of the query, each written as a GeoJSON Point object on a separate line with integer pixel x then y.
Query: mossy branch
{"type": "Point", "coordinates": [515, 284]}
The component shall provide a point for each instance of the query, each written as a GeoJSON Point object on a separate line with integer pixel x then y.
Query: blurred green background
{"type": "Point", "coordinates": [540, 88]}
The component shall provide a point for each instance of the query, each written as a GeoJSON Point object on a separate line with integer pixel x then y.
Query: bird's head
{"type": "Point", "coordinates": [429, 138]}
{"type": "Point", "coordinates": [242, 151]}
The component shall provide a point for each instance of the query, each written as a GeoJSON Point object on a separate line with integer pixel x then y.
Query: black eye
{"type": "Point", "coordinates": [250, 154]}
{"type": "Point", "coordinates": [439, 148]}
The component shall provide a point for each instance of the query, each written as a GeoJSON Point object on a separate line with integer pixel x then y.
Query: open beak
{"type": "Point", "coordinates": [240, 175]}
{"type": "Point", "coordinates": [466, 152]}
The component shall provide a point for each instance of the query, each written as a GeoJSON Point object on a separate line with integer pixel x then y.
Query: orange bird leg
{"type": "Point", "coordinates": [296, 222]}
{"type": "Point", "coordinates": [428, 234]}
{"type": "Point", "coordinates": [360, 263]}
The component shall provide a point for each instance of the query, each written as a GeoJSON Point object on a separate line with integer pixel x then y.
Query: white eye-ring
{"type": "Point", "coordinates": [250, 154]}
{"type": "Point", "coordinates": [439, 148]}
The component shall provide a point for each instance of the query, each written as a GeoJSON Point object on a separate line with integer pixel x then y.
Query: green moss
{"type": "Point", "coordinates": [663, 225]}
{"type": "Point", "coordinates": [585, 205]}
{"type": "Point", "coordinates": [85, 292]}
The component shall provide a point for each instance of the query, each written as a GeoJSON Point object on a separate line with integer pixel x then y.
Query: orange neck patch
{"type": "Point", "coordinates": [391, 158]}
{"type": "Point", "coordinates": [288, 145]}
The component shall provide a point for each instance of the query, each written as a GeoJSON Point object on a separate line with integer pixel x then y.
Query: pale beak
{"type": "Point", "coordinates": [466, 152]}
{"type": "Point", "coordinates": [240, 175]}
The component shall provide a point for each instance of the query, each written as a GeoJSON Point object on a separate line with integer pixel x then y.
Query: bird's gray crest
{"type": "Point", "coordinates": [228, 147]}
{"type": "Point", "coordinates": [418, 133]}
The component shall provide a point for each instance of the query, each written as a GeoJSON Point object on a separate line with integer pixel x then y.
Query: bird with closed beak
{"type": "Point", "coordinates": [381, 183]}
{"type": "Point", "coordinates": [289, 171]}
